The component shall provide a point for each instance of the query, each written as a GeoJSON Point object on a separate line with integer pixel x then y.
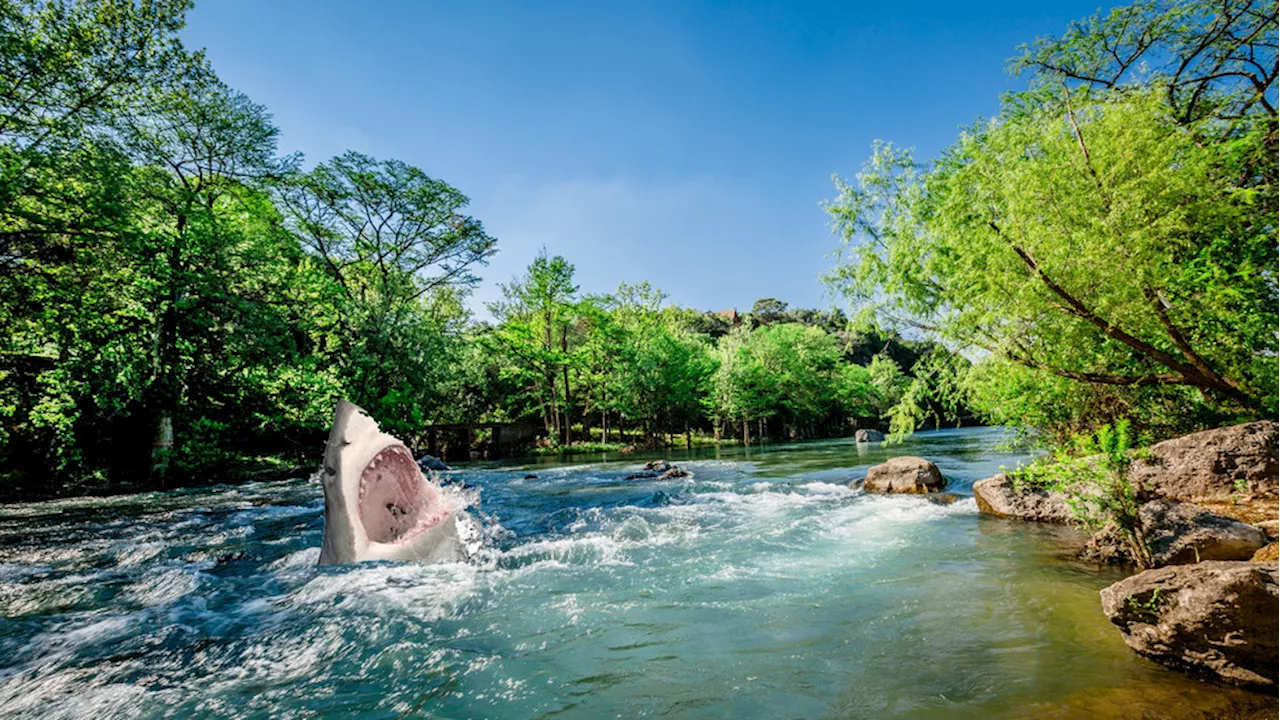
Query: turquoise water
{"type": "Point", "coordinates": [762, 586]}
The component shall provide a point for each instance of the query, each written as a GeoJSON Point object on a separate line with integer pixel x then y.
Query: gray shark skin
{"type": "Point", "coordinates": [377, 503]}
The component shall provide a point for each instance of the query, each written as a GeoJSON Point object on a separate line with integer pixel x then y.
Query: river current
{"type": "Point", "coordinates": [761, 586]}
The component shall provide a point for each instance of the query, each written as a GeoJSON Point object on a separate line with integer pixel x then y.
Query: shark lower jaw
{"type": "Point", "coordinates": [396, 504]}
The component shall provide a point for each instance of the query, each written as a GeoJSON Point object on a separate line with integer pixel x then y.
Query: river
{"type": "Point", "coordinates": [762, 586]}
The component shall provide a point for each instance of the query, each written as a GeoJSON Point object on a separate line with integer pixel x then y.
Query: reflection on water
{"type": "Point", "coordinates": [762, 586]}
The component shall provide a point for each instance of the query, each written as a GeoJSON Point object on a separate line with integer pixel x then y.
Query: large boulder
{"type": "Point", "coordinates": [1180, 533]}
{"type": "Point", "coordinates": [1000, 497]}
{"type": "Point", "coordinates": [1213, 619]}
{"type": "Point", "coordinates": [911, 475]}
{"type": "Point", "coordinates": [868, 436]}
{"type": "Point", "coordinates": [1218, 463]}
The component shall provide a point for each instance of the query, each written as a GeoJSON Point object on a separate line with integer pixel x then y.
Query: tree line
{"type": "Point", "coordinates": [181, 302]}
{"type": "Point", "coordinates": [628, 361]}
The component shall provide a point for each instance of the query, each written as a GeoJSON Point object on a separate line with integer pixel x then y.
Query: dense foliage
{"type": "Point", "coordinates": [180, 303]}
{"type": "Point", "coordinates": [626, 361]}
{"type": "Point", "coordinates": [177, 298]}
{"type": "Point", "coordinates": [1105, 248]}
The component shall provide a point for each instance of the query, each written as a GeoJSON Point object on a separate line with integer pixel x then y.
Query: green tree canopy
{"type": "Point", "coordinates": [1095, 233]}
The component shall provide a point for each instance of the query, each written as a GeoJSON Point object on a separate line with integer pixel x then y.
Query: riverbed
{"type": "Point", "coordinates": [761, 586]}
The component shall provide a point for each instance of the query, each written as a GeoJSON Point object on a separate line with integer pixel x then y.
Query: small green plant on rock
{"type": "Point", "coordinates": [1092, 470]}
{"type": "Point", "coordinates": [1148, 609]}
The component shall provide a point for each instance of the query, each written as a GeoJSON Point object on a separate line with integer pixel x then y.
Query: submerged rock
{"type": "Point", "coordinates": [431, 462]}
{"type": "Point", "coordinates": [904, 475]}
{"type": "Point", "coordinates": [998, 496]}
{"type": "Point", "coordinates": [1180, 533]}
{"type": "Point", "coordinates": [660, 470]}
{"type": "Point", "coordinates": [1214, 619]}
{"type": "Point", "coordinates": [1218, 463]}
{"type": "Point", "coordinates": [868, 436]}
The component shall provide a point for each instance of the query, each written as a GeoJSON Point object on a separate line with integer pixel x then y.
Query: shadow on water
{"type": "Point", "coordinates": [761, 586]}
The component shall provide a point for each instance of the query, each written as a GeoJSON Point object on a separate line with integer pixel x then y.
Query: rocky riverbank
{"type": "Point", "coordinates": [1209, 518]}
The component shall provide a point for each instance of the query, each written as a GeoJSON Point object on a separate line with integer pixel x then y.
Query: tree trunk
{"type": "Point", "coordinates": [688, 437]}
{"type": "Point", "coordinates": [746, 432]}
{"type": "Point", "coordinates": [164, 390]}
{"type": "Point", "coordinates": [162, 449]}
{"type": "Point", "coordinates": [568, 400]}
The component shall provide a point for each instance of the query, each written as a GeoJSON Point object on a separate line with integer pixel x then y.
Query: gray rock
{"type": "Point", "coordinates": [1213, 619]}
{"type": "Point", "coordinates": [904, 475]}
{"type": "Point", "coordinates": [658, 469]}
{"type": "Point", "coordinates": [997, 496]}
{"type": "Point", "coordinates": [1218, 463]}
{"type": "Point", "coordinates": [868, 436]}
{"type": "Point", "coordinates": [1180, 533]}
{"type": "Point", "coordinates": [431, 462]}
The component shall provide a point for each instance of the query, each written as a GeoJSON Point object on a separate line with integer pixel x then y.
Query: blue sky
{"type": "Point", "coordinates": [687, 144]}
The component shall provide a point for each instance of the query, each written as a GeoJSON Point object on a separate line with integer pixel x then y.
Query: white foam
{"type": "Point", "coordinates": [162, 587]}
{"type": "Point", "coordinates": [829, 489]}
{"type": "Point", "coordinates": [429, 591]}
{"type": "Point", "coordinates": [62, 642]}
{"type": "Point", "coordinates": [136, 553]}
{"type": "Point", "coordinates": [307, 557]}
{"type": "Point", "coordinates": [68, 694]}
{"type": "Point", "coordinates": [562, 552]}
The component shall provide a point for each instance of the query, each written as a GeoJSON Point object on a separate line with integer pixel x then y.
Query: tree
{"type": "Point", "coordinates": [533, 332]}
{"type": "Point", "coordinates": [666, 378]}
{"type": "Point", "coordinates": [787, 372]}
{"type": "Point", "coordinates": [387, 232]}
{"type": "Point", "coordinates": [68, 67]}
{"type": "Point", "coordinates": [159, 319]}
{"type": "Point", "coordinates": [1208, 57]}
{"type": "Point", "coordinates": [400, 252]}
{"type": "Point", "coordinates": [999, 245]}
{"type": "Point", "coordinates": [69, 72]}
{"type": "Point", "coordinates": [201, 141]}
{"type": "Point", "coordinates": [768, 310]}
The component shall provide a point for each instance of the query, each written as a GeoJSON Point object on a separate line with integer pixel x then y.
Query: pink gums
{"type": "Point", "coordinates": [396, 502]}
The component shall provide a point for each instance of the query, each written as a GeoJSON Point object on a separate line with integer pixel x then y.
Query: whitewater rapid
{"type": "Point", "coordinates": [760, 586]}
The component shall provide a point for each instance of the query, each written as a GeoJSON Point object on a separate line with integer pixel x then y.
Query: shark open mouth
{"type": "Point", "coordinates": [394, 501]}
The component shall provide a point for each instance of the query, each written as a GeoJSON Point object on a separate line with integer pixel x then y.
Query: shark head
{"type": "Point", "coordinates": [377, 503]}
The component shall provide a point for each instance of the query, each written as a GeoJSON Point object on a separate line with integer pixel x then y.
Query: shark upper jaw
{"type": "Point", "coordinates": [378, 505]}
